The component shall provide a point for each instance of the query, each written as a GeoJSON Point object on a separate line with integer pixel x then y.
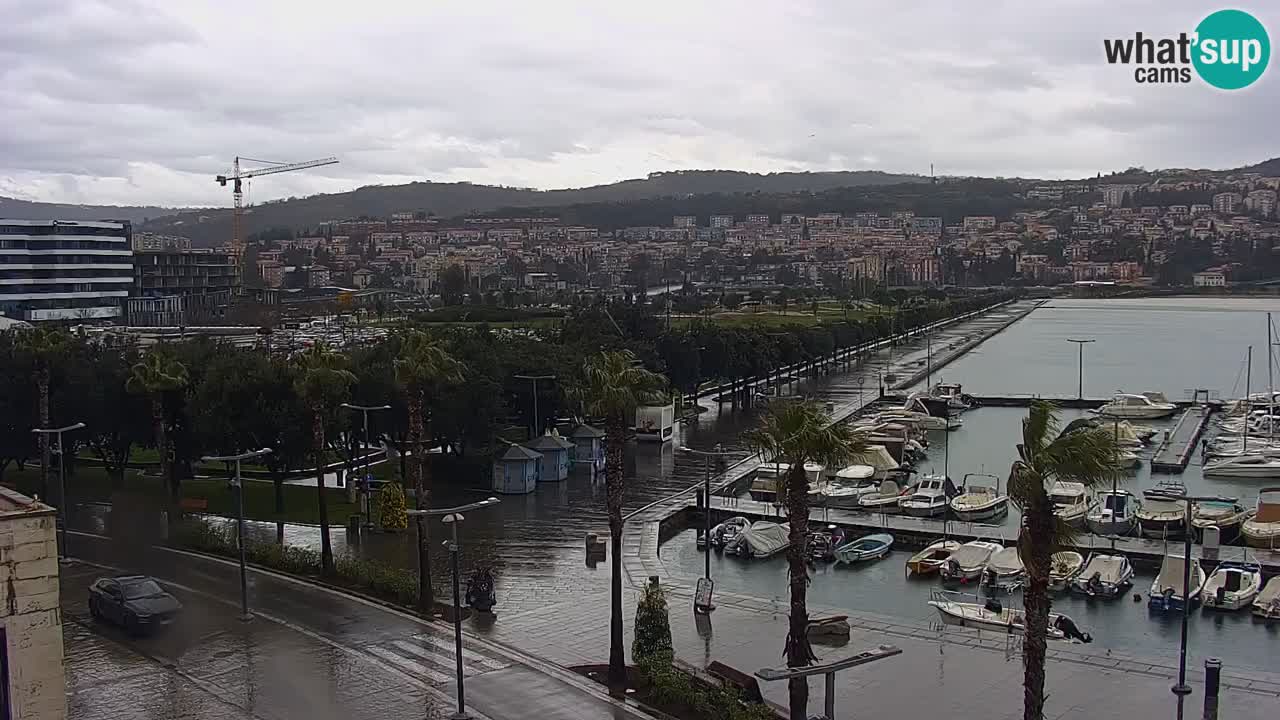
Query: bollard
{"type": "Point", "coordinates": [1212, 675]}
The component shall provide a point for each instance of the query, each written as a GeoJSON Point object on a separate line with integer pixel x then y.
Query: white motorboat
{"type": "Point", "coordinates": [1115, 513]}
{"type": "Point", "coordinates": [1005, 571]}
{"type": "Point", "coordinates": [849, 485]}
{"type": "Point", "coordinates": [1245, 466]}
{"type": "Point", "coordinates": [1065, 566]}
{"type": "Point", "coordinates": [992, 615]}
{"type": "Point", "coordinates": [1232, 586]}
{"type": "Point", "coordinates": [979, 502]}
{"type": "Point", "coordinates": [761, 540]}
{"type": "Point", "coordinates": [1166, 589]}
{"type": "Point", "coordinates": [725, 532]}
{"type": "Point", "coordinates": [769, 477]}
{"type": "Point", "coordinates": [878, 457]}
{"type": "Point", "coordinates": [930, 559]}
{"type": "Point", "coordinates": [1267, 604]}
{"type": "Point", "coordinates": [812, 472]}
{"type": "Point", "coordinates": [1071, 502]}
{"type": "Point", "coordinates": [1161, 518]}
{"type": "Point", "coordinates": [1127, 459]}
{"type": "Point", "coordinates": [1142, 407]}
{"type": "Point", "coordinates": [1227, 517]}
{"type": "Point", "coordinates": [969, 560]}
{"type": "Point", "coordinates": [1263, 529]}
{"type": "Point", "coordinates": [1104, 576]}
{"type": "Point", "coordinates": [931, 497]}
{"type": "Point", "coordinates": [1127, 435]}
{"type": "Point", "coordinates": [953, 395]}
{"type": "Point", "coordinates": [883, 500]}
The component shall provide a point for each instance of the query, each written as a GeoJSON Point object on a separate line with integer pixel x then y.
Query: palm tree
{"type": "Point", "coordinates": [322, 382]}
{"type": "Point", "coordinates": [613, 386]}
{"type": "Point", "coordinates": [157, 375]}
{"type": "Point", "coordinates": [1085, 455]}
{"type": "Point", "coordinates": [798, 433]}
{"type": "Point", "coordinates": [421, 367]}
{"type": "Point", "coordinates": [44, 345]}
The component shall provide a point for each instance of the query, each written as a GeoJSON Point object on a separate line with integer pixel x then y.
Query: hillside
{"type": "Point", "coordinates": [451, 199]}
{"type": "Point", "coordinates": [27, 210]}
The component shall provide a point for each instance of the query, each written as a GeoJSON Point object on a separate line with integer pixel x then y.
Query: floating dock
{"type": "Point", "coordinates": [1178, 447]}
{"type": "Point", "coordinates": [914, 532]}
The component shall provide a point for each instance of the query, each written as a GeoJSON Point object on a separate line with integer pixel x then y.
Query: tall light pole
{"type": "Point", "coordinates": [239, 486]}
{"type": "Point", "coordinates": [453, 517]}
{"type": "Point", "coordinates": [706, 497]}
{"type": "Point", "coordinates": [365, 410]}
{"type": "Point", "coordinates": [1182, 689]}
{"type": "Point", "coordinates": [537, 421]}
{"type": "Point", "coordinates": [1080, 366]}
{"type": "Point", "coordinates": [63, 508]}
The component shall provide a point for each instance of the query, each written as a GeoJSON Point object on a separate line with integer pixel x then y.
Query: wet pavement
{"type": "Point", "coordinates": [309, 652]}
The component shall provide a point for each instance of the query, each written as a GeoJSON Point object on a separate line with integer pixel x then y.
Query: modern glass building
{"type": "Point", "coordinates": [64, 269]}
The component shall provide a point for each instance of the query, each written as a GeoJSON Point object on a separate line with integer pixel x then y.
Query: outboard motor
{"type": "Point", "coordinates": [953, 567]}
{"type": "Point", "coordinates": [1095, 584]}
{"type": "Point", "coordinates": [1220, 598]}
{"type": "Point", "coordinates": [994, 606]}
{"type": "Point", "coordinates": [1071, 630]}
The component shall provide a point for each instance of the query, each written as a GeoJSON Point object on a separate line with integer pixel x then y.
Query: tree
{"type": "Point", "coordinates": [44, 346]}
{"type": "Point", "coordinates": [613, 387]}
{"type": "Point", "coordinates": [421, 368]}
{"type": "Point", "coordinates": [453, 285]}
{"type": "Point", "coordinates": [116, 418]}
{"type": "Point", "coordinates": [323, 382]}
{"type": "Point", "coordinates": [392, 514]}
{"type": "Point", "coordinates": [1086, 455]}
{"type": "Point", "coordinates": [159, 375]}
{"type": "Point", "coordinates": [799, 433]}
{"type": "Point", "coordinates": [652, 641]}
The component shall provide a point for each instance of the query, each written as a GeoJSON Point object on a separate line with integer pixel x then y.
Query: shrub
{"type": "Point", "coordinates": [653, 629]}
{"type": "Point", "coordinates": [672, 689]}
{"type": "Point", "coordinates": [391, 507]}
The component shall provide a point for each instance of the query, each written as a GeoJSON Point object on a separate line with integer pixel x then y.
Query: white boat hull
{"type": "Point", "coordinates": [1112, 526]}
{"type": "Point", "coordinates": [1261, 535]}
{"type": "Point", "coordinates": [978, 513]}
{"type": "Point", "coordinates": [923, 510]}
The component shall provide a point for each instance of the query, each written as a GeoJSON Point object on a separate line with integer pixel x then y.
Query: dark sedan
{"type": "Point", "coordinates": [135, 602]}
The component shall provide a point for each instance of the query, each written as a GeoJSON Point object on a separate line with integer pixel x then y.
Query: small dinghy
{"type": "Point", "coordinates": [1065, 566]}
{"type": "Point", "coordinates": [1166, 589]}
{"type": "Point", "coordinates": [1267, 604]}
{"type": "Point", "coordinates": [993, 615]}
{"type": "Point", "coordinates": [1232, 586]}
{"type": "Point", "coordinates": [725, 532]}
{"type": "Point", "coordinates": [871, 547]}
{"type": "Point", "coordinates": [1104, 576]}
{"type": "Point", "coordinates": [1005, 571]}
{"type": "Point", "coordinates": [930, 559]}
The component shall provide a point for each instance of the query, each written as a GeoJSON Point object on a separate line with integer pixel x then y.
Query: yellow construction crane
{"type": "Point", "coordinates": [237, 191]}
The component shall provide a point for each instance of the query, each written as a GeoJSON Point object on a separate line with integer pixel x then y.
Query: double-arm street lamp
{"type": "Point", "coordinates": [63, 508]}
{"type": "Point", "coordinates": [1182, 689]}
{"type": "Point", "coordinates": [1080, 366]}
{"type": "Point", "coordinates": [537, 421]}
{"type": "Point", "coordinates": [239, 488]}
{"type": "Point", "coordinates": [452, 516]}
{"type": "Point", "coordinates": [364, 410]}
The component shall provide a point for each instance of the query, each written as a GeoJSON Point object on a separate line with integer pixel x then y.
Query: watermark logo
{"type": "Point", "coordinates": [1229, 50]}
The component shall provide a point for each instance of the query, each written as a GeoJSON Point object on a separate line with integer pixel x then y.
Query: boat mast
{"type": "Point", "coordinates": [928, 377]}
{"type": "Point", "coordinates": [1115, 478]}
{"type": "Point", "coordinates": [1248, 374]}
{"type": "Point", "coordinates": [1271, 388]}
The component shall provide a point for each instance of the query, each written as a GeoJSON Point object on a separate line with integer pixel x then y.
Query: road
{"type": "Point", "coordinates": [309, 652]}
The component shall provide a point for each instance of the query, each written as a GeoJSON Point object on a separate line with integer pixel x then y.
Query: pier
{"type": "Point", "coordinates": [914, 532]}
{"type": "Point", "coordinates": [1177, 448]}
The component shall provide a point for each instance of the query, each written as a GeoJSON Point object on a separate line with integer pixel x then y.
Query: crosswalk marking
{"type": "Point", "coordinates": [468, 655]}
{"type": "Point", "coordinates": [409, 666]}
{"type": "Point", "coordinates": [467, 669]}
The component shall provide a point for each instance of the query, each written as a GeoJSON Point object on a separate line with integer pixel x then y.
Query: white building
{"type": "Point", "coordinates": [1226, 202]}
{"type": "Point", "coordinates": [1209, 278]}
{"type": "Point", "coordinates": [64, 270]}
{"type": "Point", "coordinates": [31, 619]}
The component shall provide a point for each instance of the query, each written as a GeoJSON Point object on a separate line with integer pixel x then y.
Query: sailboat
{"type": "Point", "coordinates": [1259, 465]}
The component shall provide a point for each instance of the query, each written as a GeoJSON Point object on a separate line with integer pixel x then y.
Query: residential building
{"type": "Point", "coordinates": [979, 222]}
{"type": "Point", "coordinates": [1209, 278]}
{"type": "Point", "coordinates": [684, 221]}
{"type": "Point", "coordinates": [1114, 195]}
{"type": "Point", "coordinates": [721, 221]}
{"type": "Point", "coordinates": [64, 270]}
{"type": "Point", "coordinates": [31, 618]}
{"type": "Point", "coordinates": [361, 279]}
{"type": "Point", "coordinates": [1226, 202]}
{"type": "Point", "coordinates": [151, 241]}
{"type": "Point", "coordinates": [272, 273]}
{"type": "Point", "coordinates": [318, 276]}
{"type": "Point", "coordinates": [175, 287]}
{"type": "Point", "coordinates": [757, 220]}
{"type": "Point", "coordinates": [1261, 201]}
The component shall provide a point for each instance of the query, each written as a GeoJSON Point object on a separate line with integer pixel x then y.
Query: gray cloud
{"type": "Point", "coordinates": [143, 101]}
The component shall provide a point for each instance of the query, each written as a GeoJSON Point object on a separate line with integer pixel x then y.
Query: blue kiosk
{"type": "Point", "coordinates": [555, 456]}
{"type": "Point", "coordinates": [515, 472]}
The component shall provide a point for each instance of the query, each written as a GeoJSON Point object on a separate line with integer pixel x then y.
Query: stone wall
{"type": "Point", "coordinates": [29, 610]}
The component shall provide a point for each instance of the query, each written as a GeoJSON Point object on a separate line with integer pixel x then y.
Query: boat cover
{"type": "Point", "coordinates": [765, 538]}
{"type": "Point", "coordinates": [1171, 573]}
{"type": "Point", "coordinates": [1109, 568]}
{"type": "Point", "coordinates": [1006, 561]}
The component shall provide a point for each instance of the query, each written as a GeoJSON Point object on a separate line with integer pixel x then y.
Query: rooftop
{"type": "Point", "coordinates": [14, 503]}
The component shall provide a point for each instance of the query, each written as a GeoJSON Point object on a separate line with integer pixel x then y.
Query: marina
{"type": "Point", "coordinates": [1176, 450]}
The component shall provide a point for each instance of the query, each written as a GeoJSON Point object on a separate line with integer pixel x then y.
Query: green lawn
{"type": "Point", "coordinates": [149, 455]}
{"type": "Point", "coordinates": [770, 316]}
{"type": "Point", "coordinates": [300, 501]}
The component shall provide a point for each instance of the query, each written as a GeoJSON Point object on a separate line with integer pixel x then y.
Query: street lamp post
{"type": "Point", "coordinates": [63, 508]}
{"type": "Point", "coordinates": [453, 517]}
{"type": "Point", "coordinates": [706, 497]}
{"type": "Point", "coordinates": [537, 421]}
{"type": "Point", "coordinates": [1080, 366]}
{"type": "Point", "coordinates": [1182, 689]}
{"type": "Point", "coordinates": [238, 484]}
{"type": "Point", "coordinates": [364, 410]}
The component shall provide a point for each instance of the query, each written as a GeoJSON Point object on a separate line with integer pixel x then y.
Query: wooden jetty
{"type": "Point", "coordinates": [916, 532]}
{"type": "Point", "coordinates": [1179, 446]}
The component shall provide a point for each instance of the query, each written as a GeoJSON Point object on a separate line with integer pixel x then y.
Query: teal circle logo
{"type": "Point", "coordinates": [1232, 49]}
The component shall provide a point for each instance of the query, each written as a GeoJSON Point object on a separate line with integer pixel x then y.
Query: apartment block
{"type": "Point", "coordinates": [64, 270]}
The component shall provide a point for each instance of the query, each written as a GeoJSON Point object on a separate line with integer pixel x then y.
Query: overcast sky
{"type": "Point", "coordinates": [144, 101]}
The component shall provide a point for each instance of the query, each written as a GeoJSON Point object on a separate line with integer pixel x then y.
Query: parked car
{"type": "Point", "coordinates": [135, 602]}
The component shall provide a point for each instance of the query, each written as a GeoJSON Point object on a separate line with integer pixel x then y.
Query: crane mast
{"type": "Point", "coordinates": [236, 179]}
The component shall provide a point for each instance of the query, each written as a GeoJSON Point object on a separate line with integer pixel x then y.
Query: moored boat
{"type": "Point", "coordinates": [969, 560]}
{"type": "Point", "coordinates": [1104, 576]}
{"type": "Point", "coordinates": [723, 533]}
{"type": "Point", "coordinates": [931, 497]}
{"type": "Point", "coordinates": [993, 615]}
{"type": "Point", "coordinates": [883, 500]}
{"type": "Point", "coordinates": [1071, 502]}
{"type": "Point", "coordinates": [930, 559]}
{"type": "Point", "coordinates": [1064, 566]}
{"type": "Point", "coordinates": [769, 477]}
{"type": "Point", "coordinates": [1161, 518]}
{"type": "Point", "coordinates": [979, 502]}
{"type": "Point", "coordinates": [1115, 513]}
{"type": "Point", "coordinates": [1245, 466]}
{"type": "Point", "coordinates": [1145, 406]}
{"type": "Point", "coordinates": [1166, 589]}
{"type": "Point", "coordinates": [1005, 571]}
{"type": "Point", "coordinates": [871, 547]}
{"type": "Point", "coordinates": [1267, 604]}
{"type": "Point", "coordinates": [1227, 517]}
{"type": "Point", "coordinates": [1263, 529]}
{"type": "Point", "coordinates": [760, 540]}
{"type": "Point", "coordinates": [1232, 586]}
